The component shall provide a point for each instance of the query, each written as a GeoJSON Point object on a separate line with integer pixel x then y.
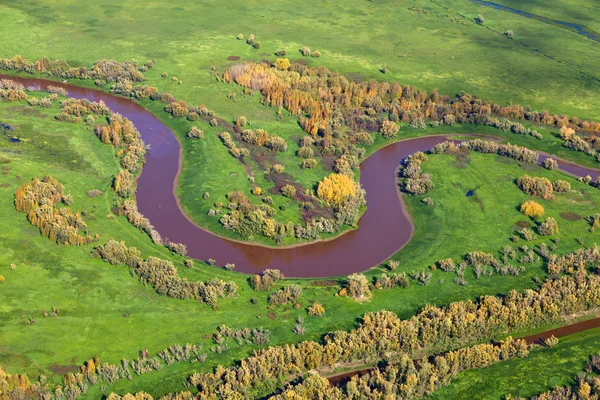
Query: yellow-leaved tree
{"type": "Point", "coordinates": [336, 188]}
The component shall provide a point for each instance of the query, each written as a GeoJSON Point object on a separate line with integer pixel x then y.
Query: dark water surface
{"type": "Point", "coordinates": [384, 228]}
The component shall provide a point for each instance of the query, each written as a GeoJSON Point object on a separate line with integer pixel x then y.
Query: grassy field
{"type": "Point", "coordinates": [544, 66]}
{"type": "Point", "coordinates": [104, 311]}
{"type": "Point", "coordinates": [542, 370]}
{"type": "Point", "coordinates": [193, 38]}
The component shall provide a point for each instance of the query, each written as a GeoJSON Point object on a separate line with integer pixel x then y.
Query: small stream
{"type": "Point", "coordinates": [579, 29]}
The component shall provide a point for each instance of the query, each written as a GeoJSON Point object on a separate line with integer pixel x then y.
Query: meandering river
{"type": "Point", "coordinates": [384, 228]}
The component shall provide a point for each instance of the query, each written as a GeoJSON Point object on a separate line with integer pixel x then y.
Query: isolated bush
{"type": "Point", "coordinates": [388, 129]}
{"type": "Point", "coordinates": [532, 209]}
{"type": "Point", "coordinates": [510, 34]}
{"type": "Point", "coordinates": [214, 122]}
{"type": "Point", "coordinates": [393, 265]}
{"type": "Point", "coordinates": [276, 143]}
{"type": "Point", "coordinates": [561, 186]}
{"type": "Point", "coordinates": [548, 228]}
{"type": "Point", "coordinates": [241, 121]}
{"type": "Point", "coordinates": [309, 163]}
{"type": "Point", "coordinates": [305, 51]}
{"type": "Point", "coordinates": [536, 186]}
{"type": "Point", "coordinates": [281, 53]}
{"type": "Point", "coordinates": [94, 193]}
{"type": "Point", "coordinates": [279, 168]}
{"type": "Point", "coordinates": [195, 133]}
{"type": "Point", "coordinates": [240, 36]}
{"type": "Point", "coordinates": [316, 54]}
{"type": "Point", "coordinates": [316, 310]}
{"type": "Point", "coordinates": [335, 189]}
{"type": "Point", "coordinates": [357, 286]}
{"type": "Point", "coordinates": [305, 152]}
{"type": "Point", "coordinates": [480, 20]}
{"type": "Point", "coordinates": [250, 39]}
{"type": "Point", "coordinates": [288, 191]}
{"type": "Point", "coordinates": [282, 64]}
{"type": "Point", "coordinates": [550, 164]}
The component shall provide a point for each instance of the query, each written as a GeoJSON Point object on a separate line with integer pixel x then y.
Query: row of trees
{"type": "Point", "coordinates": [162, 275]}
{"type": "Point", "coordinates": [431, 330]}
{"type": "Point", "coordinates": [39, 199]}
{"type": "Point", "coordinates": [319, 93]}
{"type": "Point", "coordinates": [407, 378]}
{"type": "Point", "coordinates": [107, 70]}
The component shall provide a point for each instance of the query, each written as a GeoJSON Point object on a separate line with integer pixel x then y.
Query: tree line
{"type": "Point", "coordinates": [162, 275]}
{"type": "Point", "coordinates": [432, 330]}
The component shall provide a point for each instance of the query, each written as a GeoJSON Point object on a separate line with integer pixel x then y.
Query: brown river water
{"type": "Point", "coordinates": [384, 228]}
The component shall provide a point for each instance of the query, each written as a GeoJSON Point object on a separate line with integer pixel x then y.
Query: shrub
{"type": "Point", "coordinates": [532, 209]}
{"type": "Point", "coordinates": [281, 53]}
{"type": "Point", "coordinates": [550, 164]}
{"type": "Point", "coordinates": [480, 20]}
{"type": "Point", "coordinates": [279, 168]}
{"type": "Point", "coordinates": [2, 279]}
{"type": "Point", "coordinates": [551, 341]}
{"type": "Point", "coordinates": [535, 186]}
{"type": "Point", "coordinates": [527, 234]}
{"type": "Point", "coordinates": [427, 200]}
{"type": "Point", "coordinates": [548, 228]}
{"type": "Point", "coordinates": [257, 191]}
{"type": "Point", "coordinates": [364, 138]}
{"type": "Point", "coordinates": [316, 54]}
{"type": "Point", "coordinates": [335, 189]}
{"type": "Point", "coordinates": [388, 129]}
{"type": "Point", "coordinates": [561, 186]}
{"type": "Point", "coordinates": [393, 265]}
{"type": "Point", "coordinates": [94, 193]}
{"type": "Point", "coordinates": [447, 265]}
{"type": "Point", "coordinates": [305, 51]}
{"type": "Point", "coordinates": [509, 33]}
{"type": "Point", "coordinates": [289, 191]}
{"type": "Point", "coordinates": [309, 163]}
{"type": "Point", "coordinates": [250, 39]}
{"type": "Point", "coordinates": [358, 286]}
{"type": "Point", "coordinates": [240, 36]}
{"type": "Point", "coordinates": [305, 152]}
{"type": "Point", "coordinates": [287, 295]}
{"type": "Point", "coordinates": [229, 266]}
{"type": "Point", "coordinates": [316, 310]}
{"type": "Point", "coordinates": [213, 122]}
{"type": "Point", "coordinates": [241, 121]}
{"type": "Point", "coordinates": [276, 143]}
{"type": "Point", "coordinates": [282, 64]}
{"type": "Point", "coordinates": [195, 133]}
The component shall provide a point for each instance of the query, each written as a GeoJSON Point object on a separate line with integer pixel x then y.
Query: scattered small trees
{"type": "Point", "coordinates": [532, 209]}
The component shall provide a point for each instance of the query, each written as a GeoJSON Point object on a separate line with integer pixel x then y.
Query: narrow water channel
{"type": "Point", "coordinates": [383, 229]}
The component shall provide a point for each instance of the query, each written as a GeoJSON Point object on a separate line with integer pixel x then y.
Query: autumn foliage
{"type": "Point", "coordinates": [532, 209]}
{"type": "Point", "coordinates": [337, 188]}
{"type": "Point", "coordinates": [40, 199]}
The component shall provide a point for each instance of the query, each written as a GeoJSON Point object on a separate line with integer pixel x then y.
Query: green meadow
{"type": "Point", "coordinates": [104, 310]}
